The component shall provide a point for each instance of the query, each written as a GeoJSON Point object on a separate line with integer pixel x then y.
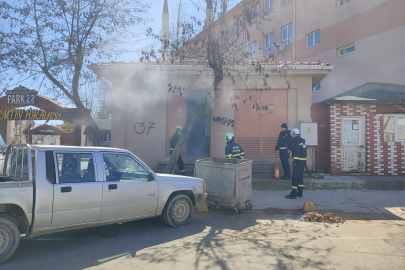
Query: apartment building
{"type": "Point", "coordinates": [362, 39]}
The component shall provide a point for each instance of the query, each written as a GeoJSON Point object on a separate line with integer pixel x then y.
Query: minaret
{"type": "Point", "coordinates": [209, 13]}
{"type": "Point", "coordinates": [165, 34]}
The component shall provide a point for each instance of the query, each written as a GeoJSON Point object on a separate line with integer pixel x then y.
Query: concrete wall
{"type": "Point", "coordinates": [298, 104]}
{"type": "Point", "coordinates": [139, 106]}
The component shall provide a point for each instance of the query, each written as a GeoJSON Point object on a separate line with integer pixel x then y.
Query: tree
{"type": "Point", "coordinates": [222, 46]}
{"type": "Point", "coordinates": [50, 42]}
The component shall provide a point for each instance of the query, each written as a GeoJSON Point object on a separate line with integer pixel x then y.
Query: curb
{"type": "Point", "coordinates": [315, 184]}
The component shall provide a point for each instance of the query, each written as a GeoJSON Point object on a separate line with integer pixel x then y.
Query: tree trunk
{"type": "Point", "coordinates": [171, 165]}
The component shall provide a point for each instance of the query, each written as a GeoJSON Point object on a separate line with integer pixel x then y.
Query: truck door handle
{"type": "Point", "coordinates": [112, 186]}
{"type": "Point", "coordinates": [65, 189]}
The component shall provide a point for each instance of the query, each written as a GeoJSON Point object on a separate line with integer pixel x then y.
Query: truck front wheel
{"type": "Point", "coordinates": [9, 239]}
{"type": "Point", "coordinates": [177, 211]}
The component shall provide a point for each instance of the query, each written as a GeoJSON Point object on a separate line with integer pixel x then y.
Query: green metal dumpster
{"type": "Point", "coordinates": [227, 181]}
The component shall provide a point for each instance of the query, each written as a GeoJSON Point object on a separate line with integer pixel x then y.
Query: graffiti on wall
{"type": "Point", "coordinates": [222, 121]}
{"type": "Point", "coordinates": [142, 127]}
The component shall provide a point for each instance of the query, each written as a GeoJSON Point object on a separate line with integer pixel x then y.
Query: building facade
{"type": "Point", "coordinates": [362, 39]}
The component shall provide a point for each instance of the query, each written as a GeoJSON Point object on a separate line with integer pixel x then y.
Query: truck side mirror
{"type": "Point", "coordinates": [151, 177]}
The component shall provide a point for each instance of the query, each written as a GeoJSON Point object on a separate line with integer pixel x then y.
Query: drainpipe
{"type": "Point", "coordinates": [294, 32]}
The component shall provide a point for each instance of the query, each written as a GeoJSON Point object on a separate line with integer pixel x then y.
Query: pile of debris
{"type": "Point", "coordinates": [327, 218]}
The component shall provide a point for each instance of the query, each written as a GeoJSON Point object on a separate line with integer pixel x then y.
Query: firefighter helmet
{"type": "Point", "coordinates": [228, 136]}
{"type": "Point", "coordinates": [295, 131]}
{"type": "Point", "coordinates": [179, 128]}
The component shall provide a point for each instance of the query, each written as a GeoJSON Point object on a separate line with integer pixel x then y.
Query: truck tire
{"type": "Point", "coordinates": [177, 211]}
{"type": "Point", "coordinates": [9, 239]}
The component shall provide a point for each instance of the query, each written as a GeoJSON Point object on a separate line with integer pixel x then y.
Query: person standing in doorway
{"type": "Point", "coordinates": [232, 149]}
{"type": "Point", "coordinates": [299, 157]}
{"type": "Point", "coordinates": [284, 145]}
{"type": "Point", "coordinates": [173, 143]}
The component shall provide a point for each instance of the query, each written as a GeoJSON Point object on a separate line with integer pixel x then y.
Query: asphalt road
{"type": "Point", "coordinates": [271, 238]}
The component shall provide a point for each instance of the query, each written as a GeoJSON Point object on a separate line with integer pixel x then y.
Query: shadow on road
{"type": "Point", "coordinates": [213, 240]}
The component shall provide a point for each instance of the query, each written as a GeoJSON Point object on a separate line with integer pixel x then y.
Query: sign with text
{"type": "Point", "coordinates": [68, 127]}
{"type": "Point", "coordinates": [30, 114]}
{"type": "Point", "coordinates": [21, 96]}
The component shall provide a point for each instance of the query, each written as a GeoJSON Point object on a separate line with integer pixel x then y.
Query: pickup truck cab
{"type": "Point", "coordinates": [46, 189]}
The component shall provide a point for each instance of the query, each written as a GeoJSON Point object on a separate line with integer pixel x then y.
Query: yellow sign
{"type": "Point", "coordinates": [68, 127]}
{"type": "Point", "coordinates": [308, 130]}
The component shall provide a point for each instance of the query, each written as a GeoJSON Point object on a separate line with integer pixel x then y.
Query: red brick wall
{"type": "Point", "coordinates": [382, 158]}
{"type": "Point", "coordinates": [320, 114]}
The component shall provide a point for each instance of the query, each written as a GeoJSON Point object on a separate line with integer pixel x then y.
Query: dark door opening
{"type": "Point", "coordinates": [197, 141]}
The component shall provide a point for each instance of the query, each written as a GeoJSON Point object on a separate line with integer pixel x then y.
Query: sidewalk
{"type": "Point", "coordinates": [378, 204]}
{"type": "Point", "coordinates": [335, 182]}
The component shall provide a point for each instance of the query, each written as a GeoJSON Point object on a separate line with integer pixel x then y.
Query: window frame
{"type": "Point", "coordinates": [253, 14]}
{"type": "Point", "coordinates": [345, 48]}
{"type": "Point", "coordinates": [396, 116]}
{"type": "Point", "coordinates": [272, 46]}
{"type": "Point", "coordinates": [282, 34]}
{"type": "Point", "coordinates": [269, 10]}
{"type": "Point", "coordinates": [342, 2]}
{"type": "Point", "coordinates": [150, 173]}
{"type": "Point", "coordinates": [253, 55]}
{"type": "Point", "coordinates": [313, 38]}
{"type": "Point", "coordinates": [314, 90]}
{"type": "Point", "coordinates": [74, 152]}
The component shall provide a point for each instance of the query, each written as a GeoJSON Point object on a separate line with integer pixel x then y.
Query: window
{"type": "Point", "coordinates": [75, 167]}
{"type": "Point", "coordinates": [268, 6]}
{"type": "Point", "coordinates": [313, 39]}
{"type": "Point", "coordinates": [252, 50]}
{"type": "Point", "coordinates": [121, 167]}
{"type": "Point", "coordinates": [285, 1]}
{"type": "Point", "coordinates": [105, 137]}
{"type": "Point", "coordinates": [287, 34]}
{"type": "Point", "coordinates": [394, 128]}
{"type": "Point", "coordinates": [342, 2]}
{"type": "Point", "coordinates": [240, 24]}
{"type": "Point", "coordinates": [228, 33]}
{"type": "Point", "coordinates": [270, 43]}
{"type": "Point", "coordinates": [346, 50]}
{"type": "Point", "coordinates": [317, 88]}
{"type": "Point", "coordinates": [253, 14]}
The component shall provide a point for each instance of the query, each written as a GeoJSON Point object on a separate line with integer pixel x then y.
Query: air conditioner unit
{"type": "Point", "coordinates": [281, 47]}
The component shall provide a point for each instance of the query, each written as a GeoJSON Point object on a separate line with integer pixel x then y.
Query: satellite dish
{"type": "Point", "coordinates": [29, 122]}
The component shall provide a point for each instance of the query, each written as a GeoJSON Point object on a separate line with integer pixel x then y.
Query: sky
{"type": "Point", "coordinates": [155, 13]}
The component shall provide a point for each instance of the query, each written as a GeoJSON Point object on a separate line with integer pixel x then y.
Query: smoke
{"type": "Point", "coordinates": [141, 90]}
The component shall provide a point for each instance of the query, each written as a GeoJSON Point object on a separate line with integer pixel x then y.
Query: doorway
{"type": "Point", "coordinates": [353, 144]}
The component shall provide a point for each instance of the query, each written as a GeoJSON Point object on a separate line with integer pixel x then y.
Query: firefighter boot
{"type": "Point", "coordinates": [286, 177]}
{"type": "Point", "coordinates": [300, 190]}
{"type": "Point", "coordinates": [292, 195]}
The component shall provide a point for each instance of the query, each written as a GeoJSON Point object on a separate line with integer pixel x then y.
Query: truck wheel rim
{"type": "Point", "coordinates": [180, 211]}
{"type": "Point", "coordinates": [4, 240]}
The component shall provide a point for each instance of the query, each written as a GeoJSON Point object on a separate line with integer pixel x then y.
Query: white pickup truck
{"type": "Point", "coordinates": [46, 189]}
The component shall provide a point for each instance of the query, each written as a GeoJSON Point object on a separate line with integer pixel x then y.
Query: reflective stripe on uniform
{"type": "Point", "coordinates": [301, 144]}
{"type": "Point", "coordinates": [240, 154]}
{"type": "Point", "coordinates": [229, 156]}
{"type": "Point", "coordinates": [299, 158]}
{"type": "Point", "coordinates": [172, 149]}
{"type": "Point", "coordinates": [301, 185]}
{"type": "Point", "coordinates": [294, 187]}
{"type": "Point", "coordinates": [183, 171]}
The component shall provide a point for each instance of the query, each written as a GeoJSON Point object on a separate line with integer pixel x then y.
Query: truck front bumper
{"type": "Point", "coordinates": [200, 199]}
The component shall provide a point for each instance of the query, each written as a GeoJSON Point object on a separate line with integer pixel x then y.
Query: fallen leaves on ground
{"type": "Point", "coordinates": [326, 218]}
